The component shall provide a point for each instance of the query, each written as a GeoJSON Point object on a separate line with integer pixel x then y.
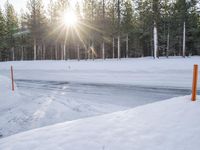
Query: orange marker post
{"type": "Point", "coordinates": [12, 78]}
{"type": "Point", "coordinates": [194, 85]}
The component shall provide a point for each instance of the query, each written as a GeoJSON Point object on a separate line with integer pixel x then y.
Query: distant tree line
{"type": "Point", "coordinates": [105, 29]}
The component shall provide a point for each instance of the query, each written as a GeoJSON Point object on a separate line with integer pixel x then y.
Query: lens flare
{"type": "Point", "coordinates": [70, 18]}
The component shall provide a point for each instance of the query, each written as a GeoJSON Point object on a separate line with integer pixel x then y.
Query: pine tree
{"type": "Point", "coordinates": [23, 36]}
{"type": "Point", "coordinates": [2, 35]}
{"type": "Point", "coordinates": [127, 24]}
{"type": "Point", "coordinates": [63, 7]}
{"type": "Point", "coordinates": [89, 10]}
{"type": "Point", "coordinates": [11, 28]}
{"type": "Point", "coordinates": [52, 26]}
{"type": "Point", "coordinates": [36, 24]}
{"type": "Point", "coordinates": [112, 26]}
{"type": "Point", "coordinates": [192, 28]}
{"type": "Point", "coordinates": [164, 26]}
{"type": "Point", "coordinates": [79, 39]}
{"type": "Point", "coordinates": [144, 28]}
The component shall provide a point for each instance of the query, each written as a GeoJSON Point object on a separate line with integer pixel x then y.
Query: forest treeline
{"type": "Point", "coordinates": [105, 29]}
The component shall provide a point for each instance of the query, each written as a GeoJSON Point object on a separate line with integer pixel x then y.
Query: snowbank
{"type": "Point", "coordinates": [167, 125]}
{"type": "Point", "coordinates": [9, 101]}
{"type": "Point", "coordinates": [172, 72]}
{"type": "Point", "coordinates": [8, 98]}
{"type": "Point", "coordinates": [147, 64]}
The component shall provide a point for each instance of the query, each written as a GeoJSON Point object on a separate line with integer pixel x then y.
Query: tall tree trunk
{"type": "Point", "coordinates": [61, 52]}
{"type": "Point", "coordinates": [127, 46]}
{"type": "Point", "coordinates": [89, 50]}
{"type": "Point", "coordinates": [113, 46]}
{"type": "Point", "coordinates": [35, 48]}
{"type": "Point", "coordinates": [13, 54]}
{"type": "Point", "coordinates": [78, 52]}
{"type": "Point", "coordinates": [155, 30]}
{"type": "Point", "coordinates": [155, 34]}
{"type": "Point", "coordinates": [44, 51]}
{"type": "Point", "coordinates": [184, 39]}
{"type": "Point", "coordinates": [103, 50]}
{"type": "Point", "coordinates": [119, 47]}
{"type": "Point", "coordinates": [180, 45]}
{"type": "Point", "coordinates": [119, 23]}
{"type": "Point", "coordinates": [51, 53]}
{"type": "Point", "coordinates": [167, 52]}
{"type": "Point", "coordinates": [56, 51]}
{"type": "Point", "coordinates": [103, 43]}
{"type": "Point", "coordinates": [86, 52]}
{"type": "Point", "coordinates": [92, 50]}
{"type": "Point", "coordinates": [22, 53]}
{"type": "Point", "coordinates": [64, 51]}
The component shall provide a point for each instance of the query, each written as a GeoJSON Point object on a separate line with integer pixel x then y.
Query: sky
{"type": "Point", "coordinates": [18, 4]}
{"type": "Point", "coordinates": [21, 4]}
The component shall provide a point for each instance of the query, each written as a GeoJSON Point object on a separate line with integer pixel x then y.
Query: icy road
{"type": "Point", "coordinates": [115, 94]}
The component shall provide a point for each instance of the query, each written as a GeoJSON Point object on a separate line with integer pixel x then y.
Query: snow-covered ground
{"type": "Point", "coordinates": [168, 125]}
{"type": "Point", "coordinates": [175, 71]}
{"type": "Point", "coordinates": [57, 91]}
{"type": "Point", "coordinates": [7, 97]}
{"type": "Point", "coordinates": [9, 100]}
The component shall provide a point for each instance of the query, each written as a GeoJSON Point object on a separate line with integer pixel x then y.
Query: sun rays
{"type": "Point", "coordinates": [71, 26]}
{"type": "Point", "coordinates": [70, 18]}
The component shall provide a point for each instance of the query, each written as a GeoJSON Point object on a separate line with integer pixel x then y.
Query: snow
{"type": "Point", "coordinates": [175, 71]}
{"type": "Point", "coordinates": [170, 124]}
{"type": "Point", "coordinates": [8, 98]}
{"type": "Point", "coordinates": [57, 91]}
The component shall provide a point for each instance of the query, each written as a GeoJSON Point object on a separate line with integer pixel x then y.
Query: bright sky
{"type": "Point", "coordinates": [21, 4]}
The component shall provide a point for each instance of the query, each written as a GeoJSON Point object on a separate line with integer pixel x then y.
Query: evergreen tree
{"type": "Point", "coordinates": [36, 23]}
{"type": "Point", "coordinates": [144, 27]}
{"type": "Point", "coordinates": [127, 22]}
{"type": "Point", "coordinates": [112, 26]}
{"type": "Point", "coordinates": [166, 13]}
{"type": "Point", "coordinates": [2, 35]}
{"type": "Point", "coordinates": [11, 29]}
{"type": "Point", "coordinates": [193, 29]}
{"type": "Point", "coordinates": [105, 29]}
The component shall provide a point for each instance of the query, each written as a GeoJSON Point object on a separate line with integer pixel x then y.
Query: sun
{"type": "Point", "coordinates": [70, 18]}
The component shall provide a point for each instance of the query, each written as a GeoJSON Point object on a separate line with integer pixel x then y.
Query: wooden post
{"type": "Point", "coordinates": [12, 78]}
{"type": "Point", "coordinates": [194, 85]}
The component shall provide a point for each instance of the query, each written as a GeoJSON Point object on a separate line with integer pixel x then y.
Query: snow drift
{"type": "Point", "coordinates": [8, 98]}
{"type": "Point", "coordinates": [172, 72]}
{"type": "Point", "coordinates": [9, 103]}
{"type": "Point", "coordinates": [168, 125]}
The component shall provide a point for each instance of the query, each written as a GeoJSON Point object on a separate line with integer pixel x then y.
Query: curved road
{"type": "Point", "coordinates": [115, 94]}
{"type": "Point", "coordinates": [48, 102]}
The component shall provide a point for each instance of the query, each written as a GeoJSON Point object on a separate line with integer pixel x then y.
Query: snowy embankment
{"type": "Point", "coordinates": [8, 98]}
{"type": "Point", "coordinates": [168, 125]}
{"type": "Point", "coordinates": [172, 72]}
